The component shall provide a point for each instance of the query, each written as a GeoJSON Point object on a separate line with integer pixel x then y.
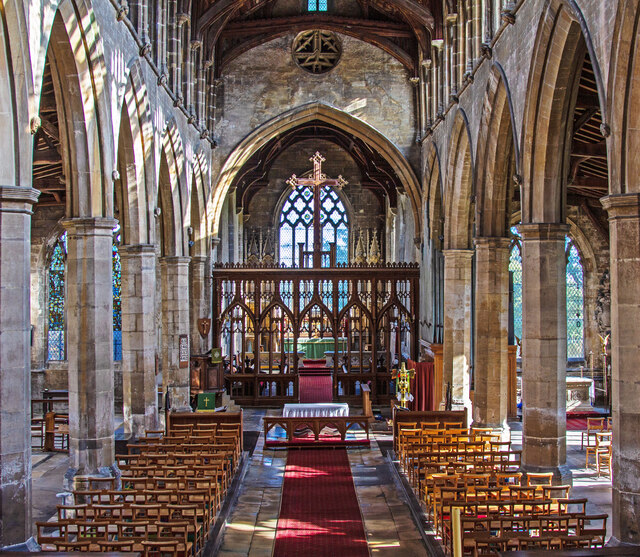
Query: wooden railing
{"type": "Point", "coordinates": [290, 425]}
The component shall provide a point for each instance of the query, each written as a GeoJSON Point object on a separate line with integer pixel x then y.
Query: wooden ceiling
{"type": "Point", "coordinates": [588, 178]}
{"type": "Point", "coordinates": [48, 175]}
{"type": "Point", "coordinates": [402, 28]}
{"type": "Point", "coordinates": [376, 173]}
{"type": "Point", "coordinates": [588, 175]}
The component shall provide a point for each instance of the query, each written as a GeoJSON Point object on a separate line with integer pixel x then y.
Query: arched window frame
{"type": "Point", "coordinates": [116, 285]}
{"type": "Point", "coordinates": [575, 299]}
{"type": "Point", "coordinates": [515, 267]}
{"type": "Point", "coordinates": [58, 352]}
{"type": "Point", "coordinates": [281, 206]}
{"type": "Point", "coordinates": [56, 308]}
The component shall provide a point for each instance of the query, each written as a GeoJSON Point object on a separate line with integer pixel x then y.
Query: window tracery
{"type": "Point", "coordinates": [296, 224]}
{"type": "Point", "coordinates": [56, 301]}
{"type": "Point", "coordinates": [575, 293]}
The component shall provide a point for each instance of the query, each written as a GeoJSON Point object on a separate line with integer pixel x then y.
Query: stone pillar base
{"type": "Point", "coordinates": [562, 475]}
{"type": "Point", "coordinates": [75, 479]}
{"type": "Point", "coordinates": [504, 428]}
{"type": "Point", "coordinates": [179, 399]}
{"type": "Point", "coordinates": [615, 542]}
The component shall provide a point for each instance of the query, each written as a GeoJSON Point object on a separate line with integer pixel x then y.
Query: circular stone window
{"type": "Point", "coordinates": [317, 52]}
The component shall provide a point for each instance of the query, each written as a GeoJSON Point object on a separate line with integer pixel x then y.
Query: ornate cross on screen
{"type": "Point", "coordinates": [317, 182]}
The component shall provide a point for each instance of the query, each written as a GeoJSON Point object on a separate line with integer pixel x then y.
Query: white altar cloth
{"type": "Point", "coordinates": [318, 410]}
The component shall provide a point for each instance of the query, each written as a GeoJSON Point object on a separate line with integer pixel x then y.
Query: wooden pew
{"type": "Point", "coordinates": [442, 417]}
{"type": "Point", "coordinates": [210, 418]}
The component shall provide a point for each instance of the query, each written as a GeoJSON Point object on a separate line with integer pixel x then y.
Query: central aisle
{"type": "Point", "coordinates": [251, 528]}
{"type": "Point", "coordinates": [319, 511]}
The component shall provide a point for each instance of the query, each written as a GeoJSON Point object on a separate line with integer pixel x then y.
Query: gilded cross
{"type": "Point", "coordinates": [317, 182]}
{"type": "Point", "coordinates": [206, 401]}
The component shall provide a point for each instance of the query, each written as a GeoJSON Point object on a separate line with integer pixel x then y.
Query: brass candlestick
{"type": "Point", "coordinates": [403, 376]}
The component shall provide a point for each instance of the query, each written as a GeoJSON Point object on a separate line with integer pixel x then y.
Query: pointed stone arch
{"type": "Point", "coordinates": [560, 46]}
{"type": "Point", "coordinates": [459, 187]}
{"type": "Point", "coordinates": [624, 99]}
{"type": "Point", "coordinates": [173, 192]}
{"type": "Point", "coordinates": [199, 202]}
{"type": "Point", "coordinates": [496, 158]}
{"type": "Point", "coordinates": [86, 130]}
{"type": "Point", "coordinates": [15, 88]}
{"type": "Point", "coordinates": [433, 197]}
{"type": "Point", "coordinates": [136, 162]}
{"type": "Point", "coordinates": [309, 112]}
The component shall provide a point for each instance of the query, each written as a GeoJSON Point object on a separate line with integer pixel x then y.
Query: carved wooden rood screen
{"type": "Point", "coordinates": [266, 318]}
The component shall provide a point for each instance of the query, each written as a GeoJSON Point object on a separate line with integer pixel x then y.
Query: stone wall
{"type": "Point", "coordinates": [265, 82]}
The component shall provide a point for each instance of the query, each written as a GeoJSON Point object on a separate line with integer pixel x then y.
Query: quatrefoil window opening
{"type": "Point", "coordinates": [316, 51]}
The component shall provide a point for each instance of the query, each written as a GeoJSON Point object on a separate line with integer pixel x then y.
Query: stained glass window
{"type": "Point", "coordinates": [575, 294]}
{"type": "Point", "coordinates": [317, 5]}
{"type": "Point", "coordinates": [117, 304]}
{"type": "Point", "coordinates": [575, 302]}
{"type": "Point", "coordinates": [56, 346]}
{"type": "Point", "coordinates": [515, 268]}
{"type": "Point", "coordinates": [296, 224]}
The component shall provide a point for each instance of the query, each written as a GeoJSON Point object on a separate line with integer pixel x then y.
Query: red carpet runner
{"type": "Point", "coordinates": [319, 513]}
{"type": "Point", "coordinates": [315, 388]}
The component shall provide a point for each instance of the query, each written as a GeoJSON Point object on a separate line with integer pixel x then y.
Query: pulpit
{"type": "Point", "coordinates": [205, 376]}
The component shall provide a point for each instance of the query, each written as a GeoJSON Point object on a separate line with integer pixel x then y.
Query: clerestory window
{"type": "Point", "coordinates": [317, 5]}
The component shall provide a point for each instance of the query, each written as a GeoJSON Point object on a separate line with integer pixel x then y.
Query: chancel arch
{"type": "Point", "coordinates": [326, 115]}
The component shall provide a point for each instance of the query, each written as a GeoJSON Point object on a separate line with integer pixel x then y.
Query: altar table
{"type": "Point", "coordinates": [319, 410]}
{"type": "Point", "coordinates": [314, 348]}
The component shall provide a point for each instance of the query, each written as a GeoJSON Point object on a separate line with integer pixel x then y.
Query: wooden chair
{"type": "Point", "coordinates": [79, 545]}
{"type": "Point", "coordinates": [594, 425]}
{"type": "Point", "coordinates": [603, 439]}
{"type": "Point", "coordinates": [161, 548]}
{"type": "Point", "coordinates": [604, 452]}
{"type": "Point", "coordinates": [117, 545]}
{"type": "Point", "coordinates": [539, 478]}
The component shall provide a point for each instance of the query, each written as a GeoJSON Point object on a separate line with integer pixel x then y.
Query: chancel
{"type": "Point", "coordinates": [329, 277]}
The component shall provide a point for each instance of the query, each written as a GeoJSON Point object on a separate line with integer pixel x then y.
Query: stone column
{"type": "Point", "coordinates": [491, 324]}
{"type": "Point", "coordinates": [90, 346]}
{"type": "Point", "coordinates": [15, 363]}
{"type": "Point", "coordinates": [140, 401]}
{"type": "Point", "coordinates": [624, 222]}
{"type": "Point", "coordinates": [200, 279]}
{"type": "Point", "coordinates": [457, 325]}
{"type": "Point", "coordinates": [544, 349]}
{"type": "Point", "coordinates": [175, 317]}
